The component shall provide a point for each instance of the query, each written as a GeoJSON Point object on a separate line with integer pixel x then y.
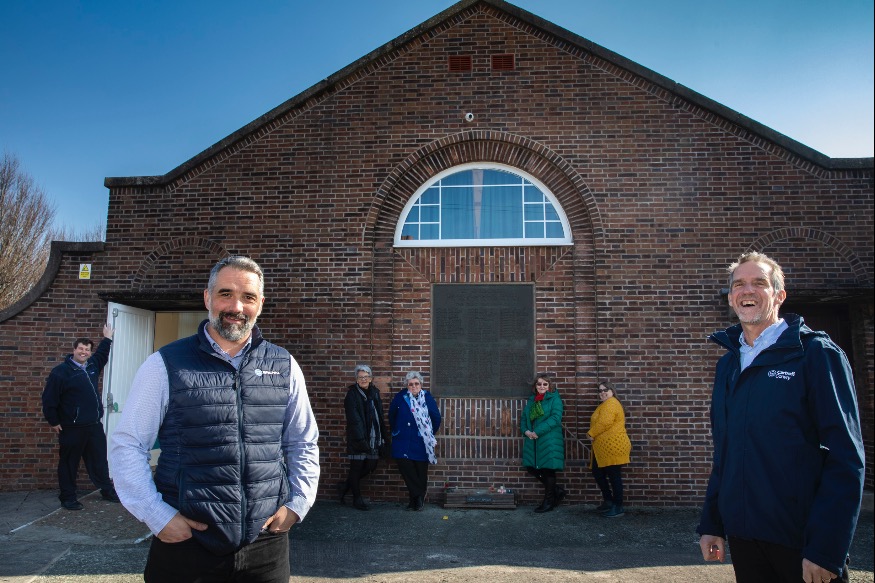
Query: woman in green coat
{"type": "Point", "coordinates": [544, 445]}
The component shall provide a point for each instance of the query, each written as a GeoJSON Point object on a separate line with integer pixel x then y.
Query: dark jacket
{"type": "Point", "coordinates": [71, 397]}
{"type": "Point", "coordinates": [406, 441]}
{"type": "Point", "coordinates": [548, 451]}
{"type": "Point", "coordinates": [360, 419]}
{"type": "Point", "coordinates": [788, 453]}
{"type": "Point", "coordinates": [221, 453]}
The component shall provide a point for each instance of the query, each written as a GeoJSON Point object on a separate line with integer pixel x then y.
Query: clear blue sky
{"type": "Point", "coordinates": [97, 88]}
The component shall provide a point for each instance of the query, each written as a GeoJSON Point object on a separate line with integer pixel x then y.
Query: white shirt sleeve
{"type": "Point", "coordinates": [132, 440]}
{"type": "Point", "coordinates": [300, 445]}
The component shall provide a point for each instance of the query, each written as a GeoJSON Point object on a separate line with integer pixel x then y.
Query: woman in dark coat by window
{"type": "Point", "coordinates": [365, 433]}
{"type": "Point", "coordinates": [414, 419]}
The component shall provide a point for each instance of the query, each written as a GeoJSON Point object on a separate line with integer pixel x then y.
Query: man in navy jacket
{"type": "Point", "coordinates": [74, 410]}
{"type": "Point", "coordinates": [787, 477]}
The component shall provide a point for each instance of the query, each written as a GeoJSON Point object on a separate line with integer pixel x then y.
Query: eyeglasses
{"type": "Point", "coordinates": [604, 390]}
{"type": "Point", "coordinates": [363, 377]}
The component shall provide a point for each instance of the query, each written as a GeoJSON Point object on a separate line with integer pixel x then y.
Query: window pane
{"type": "Point", "coordinates": [413, 216]}
{"type": "Point", "coordinates": [464, 178]}
{"type": "Point", "coordinates": [534, 212]}
{"type": "Point", "coordinates": [430, 214]}
{"type": "Point", "coordinates": [457, 213]}
{"type": "Point", "coordinates": [534, 230]}
{"type": "Point", "coordinates": [430, 196]}
{"type": "Point", "coordinates": [554, 231]}
{"type": "Point", "coordinates": [410, 232]}
{"type": "Point", "coordinates": [429, 233]}
{"type": "Point", "coordinates": [498, 177]}
{"type": "Point", "coordinates": [551, 215]}
{"type": "Point", "coordinates": [501, 213]}
{"type": "Point", "coordinates": [533, 194]}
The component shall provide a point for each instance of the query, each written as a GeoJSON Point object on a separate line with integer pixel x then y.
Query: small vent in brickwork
{"type": "Point", "coordinates": [460, 63]}
{"type": "Point", "coordinates": [502, 62]}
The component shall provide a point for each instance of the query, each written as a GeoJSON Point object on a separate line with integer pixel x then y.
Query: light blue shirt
{"type": "Point", "coordinates": [768, 337]}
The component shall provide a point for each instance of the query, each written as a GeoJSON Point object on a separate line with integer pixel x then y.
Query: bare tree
{"type": "Point", "coordinates": [95, 232]}
{"type": "Point", "coordinates": [25, 230]}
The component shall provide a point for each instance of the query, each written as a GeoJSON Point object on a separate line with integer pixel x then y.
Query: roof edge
{"type": "Point", "coordinates": [805, 152]}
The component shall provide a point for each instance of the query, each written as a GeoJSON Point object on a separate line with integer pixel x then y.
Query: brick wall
{"type": "Point", "coordinates": [661, 194]}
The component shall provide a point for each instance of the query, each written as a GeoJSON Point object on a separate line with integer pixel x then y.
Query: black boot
{"type": "Point", "coordinates": [560, 493]}
{"type": "Point", "coordinates": [342, 489]}
{"type": "Point", "coordinates": [549, 502]}
{"type": "Point", "coordinates": [411, 503]}
{"type": "Point", "coordinates": [359, 503]}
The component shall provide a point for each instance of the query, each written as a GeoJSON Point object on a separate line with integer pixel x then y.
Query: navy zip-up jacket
{"type": "Point", "coordinates": [71, 397]}
{"type": "Point", "coordinates": [788, 451]}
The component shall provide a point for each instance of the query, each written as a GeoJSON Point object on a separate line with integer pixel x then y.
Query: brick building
{"type": "Point", "coordinates": [635, 193]}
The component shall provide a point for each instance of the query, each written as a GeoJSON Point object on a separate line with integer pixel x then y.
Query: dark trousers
{"type": "Point", "coordinates": [755, 561]}
{"type": "Point", "coordinates": [415, 476]}
{"type": "Point", "coordinates": [264, 561]}
{"type": "Point", "coordinates": [610, 481]}
{"type": "Point", "coordinates": [358, 469]}
{"type": "Point", "coordinates": [87, 443]}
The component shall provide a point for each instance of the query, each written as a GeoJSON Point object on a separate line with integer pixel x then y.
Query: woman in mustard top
{"type": "Point", "coordinates": [610, 449]}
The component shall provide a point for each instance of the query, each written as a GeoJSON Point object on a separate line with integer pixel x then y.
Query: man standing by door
{"type": "Point", "coordinates": [239, 461]}
{"type": "Point", "coordinates": [73, 408]}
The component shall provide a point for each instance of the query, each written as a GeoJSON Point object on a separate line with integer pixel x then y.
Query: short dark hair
{"type": "Point", "coordinates": [239, 262]}
{"type": "Point", "coordinates": [86, 341]}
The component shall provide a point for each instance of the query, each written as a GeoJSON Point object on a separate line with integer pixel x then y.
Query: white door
{"type": "Point", "coordinates": [132, 344]}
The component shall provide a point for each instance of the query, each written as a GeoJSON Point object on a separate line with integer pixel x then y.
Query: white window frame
{"type": "Point", "coordinates": [519, 242]}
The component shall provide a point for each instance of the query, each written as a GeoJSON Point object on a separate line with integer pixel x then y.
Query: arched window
{"type": "Point", "coordinates": [482, 204]}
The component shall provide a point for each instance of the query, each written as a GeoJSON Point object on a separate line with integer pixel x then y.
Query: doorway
{"type": "Point", "coordinates": [138, 333]}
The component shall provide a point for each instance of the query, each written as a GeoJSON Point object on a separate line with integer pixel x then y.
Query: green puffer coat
{"type": "Point", "coordinates": [548, 451]}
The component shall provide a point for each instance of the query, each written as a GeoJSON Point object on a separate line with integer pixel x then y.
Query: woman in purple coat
{"type": "Point", "coordinates": [414, 419]}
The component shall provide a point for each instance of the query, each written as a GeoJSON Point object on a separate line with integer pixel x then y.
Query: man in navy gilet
{"type": "Point", "coordinates": [239, 462]}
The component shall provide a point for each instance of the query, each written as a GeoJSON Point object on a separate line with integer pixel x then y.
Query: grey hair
{"type": "Point", "coordinates": [777, 276]}
{"type": "Point", "coordinates": [240, 262]}
{"type": "Point", "coordinates": [363, 367]}
{"type": "Point", "coordinates": [412, 375]}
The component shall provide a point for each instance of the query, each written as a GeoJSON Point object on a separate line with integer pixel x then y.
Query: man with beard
{"type": "Point", "coordinates": [239, 461]}
{"type": "Point", "coordinates": [787, 477]}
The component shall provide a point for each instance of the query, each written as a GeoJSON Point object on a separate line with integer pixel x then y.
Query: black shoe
{"type": "Point", "coordinates": [546, 506]}
{"type": "Point", "coordinates": [109, 495]}
{"type": "Point", "coordinates": [559, 494]}
{"type": "Point", "coordinates": [616, 510]}
{"type": "Point", "coordinates": [604, 506]}
{"type": "Point", "coordinates": [342, 489]}
{"type": "Point", "coordinates": [72, 505]}
{"type": "Point", "coordinates": [418, 503]}
{"type": "Point", "coordinates": [359, 504]}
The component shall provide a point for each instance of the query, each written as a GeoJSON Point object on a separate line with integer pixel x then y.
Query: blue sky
{"type": "Point", "coordinates": [97, 88]}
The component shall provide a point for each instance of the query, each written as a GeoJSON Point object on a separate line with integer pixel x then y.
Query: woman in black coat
{"type": "Point", "coordinates": [365, 433]}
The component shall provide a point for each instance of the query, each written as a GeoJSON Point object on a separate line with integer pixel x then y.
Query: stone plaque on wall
{"type": "Point", "coordinates": [483, 340]}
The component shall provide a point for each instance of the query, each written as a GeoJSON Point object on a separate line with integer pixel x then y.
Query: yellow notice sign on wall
{"type": "Point", "coordinates": [84, 271]}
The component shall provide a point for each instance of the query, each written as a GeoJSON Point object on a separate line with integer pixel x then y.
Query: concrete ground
{"type": "Point", "coordinates": [41, 543]}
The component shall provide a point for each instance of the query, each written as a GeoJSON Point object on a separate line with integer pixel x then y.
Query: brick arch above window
{"type": "Point", "coordinates": [180, 263]}
{"type": "Point", "coordinates": [481, 146]}
{"type": "Point", "coordinates": [837, 245]}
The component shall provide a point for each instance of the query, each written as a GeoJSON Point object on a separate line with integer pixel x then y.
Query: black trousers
{"type": "Point", "coordinates": [755, 561]}
{"type": "Point", "coordinates": [87, 443]}
{"type": "Point", "coordinates": [264, 561]}
{"type": "Point", "coordinates": [358, 469]}
{"type": "Point", "coordinates": [415, 474]}
{"type": "Point", "coordinates": [610, 481]}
